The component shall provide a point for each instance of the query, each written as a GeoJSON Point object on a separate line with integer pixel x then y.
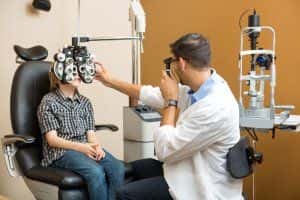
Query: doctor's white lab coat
{"type": "Point", "coordinates": [194, 152]}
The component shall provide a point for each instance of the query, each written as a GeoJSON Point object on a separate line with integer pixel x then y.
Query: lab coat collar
{"type": "Point", "coordinates": [204, 88]}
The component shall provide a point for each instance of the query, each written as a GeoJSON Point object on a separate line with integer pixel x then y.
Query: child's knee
{"type": "Point", "coordinates": [119, 173]}
{"type": "Point", "coordinates": [97, 175]}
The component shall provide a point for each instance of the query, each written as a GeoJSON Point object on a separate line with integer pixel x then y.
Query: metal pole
{"type": "Point", "coordinates": [114, 38]}
{"type": "Point", "coordinates": [78, 24]}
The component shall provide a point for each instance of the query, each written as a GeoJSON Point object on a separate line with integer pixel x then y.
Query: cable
{"type": "Point", "coordinates": [253, 175]}
{"type": "Point", "coordinates": [243, 14]}
{"type": "Point", "coordinates": [252, 134]}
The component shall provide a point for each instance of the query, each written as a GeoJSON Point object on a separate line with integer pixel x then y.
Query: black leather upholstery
{"type": "Point", "coordinates": [73, 194]}
{"type": "Point", "coordinates": [12, 139]}
{"type": "Point", "coordinates": [238, 159]}
{"type": "Point", "coordinates": [63, 178]}
{"type": "Point", "coordinates": [28, 157]}
{"type": "Point", "coordinates": [42, 4]}
{"type": "Point", "coordinates": [36, 53]}
{"type": "Point", "coordinates": [30, 84]}
{"type": "Point", "coordinates": [110, 127]}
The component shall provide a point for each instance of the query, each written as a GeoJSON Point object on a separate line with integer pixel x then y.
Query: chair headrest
{"type": "Point", "coordinates": [35, 53]}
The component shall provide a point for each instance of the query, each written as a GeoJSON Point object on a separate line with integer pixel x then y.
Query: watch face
{"type": "Point", "coordinates": [172, 102]}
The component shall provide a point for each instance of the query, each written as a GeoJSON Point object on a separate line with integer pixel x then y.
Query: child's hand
{"type": "Point", "coordinates": [88, 149]}
{"type": "Point", "coordinates": [99, 151]}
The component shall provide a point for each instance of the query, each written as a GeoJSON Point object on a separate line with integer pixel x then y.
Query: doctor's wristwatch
{"type": "Point", "coordinates": [171, 102]}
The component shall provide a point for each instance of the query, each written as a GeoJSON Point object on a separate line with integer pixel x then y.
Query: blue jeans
{"type": "Point", "coordinates": [102, 177]}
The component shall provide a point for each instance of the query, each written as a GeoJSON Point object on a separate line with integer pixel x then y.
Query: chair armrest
{"type": "Point", "coordinates": [12, 139]}
{"type": "Point", "coordinates": [10, 145]}
{"type": "Point", "coordinates": [110, 127]}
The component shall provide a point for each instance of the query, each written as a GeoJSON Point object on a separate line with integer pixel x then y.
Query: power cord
{"type": "Point", "coordinates": [243, 14]}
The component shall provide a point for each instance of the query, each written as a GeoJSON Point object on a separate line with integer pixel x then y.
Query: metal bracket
{"type": "Point", "coordinates": [9, 151]}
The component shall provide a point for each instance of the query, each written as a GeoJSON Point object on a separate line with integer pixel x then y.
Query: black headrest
{"type": "Point", "coordinates": [42, 4]}
{"type": "Point", "coordinates": [35, 53]}
{"type": "Point", "coordinates": [30, 84]}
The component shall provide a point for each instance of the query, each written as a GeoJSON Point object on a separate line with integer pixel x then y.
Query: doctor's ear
{"type": "Point", "coordinates": [182, 64]}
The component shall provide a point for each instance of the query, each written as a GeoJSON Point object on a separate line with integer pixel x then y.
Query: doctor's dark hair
{"type": "Point", "coordinates": [194, 48]}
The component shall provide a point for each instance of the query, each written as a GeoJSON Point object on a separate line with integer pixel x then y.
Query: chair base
{"type": "Point", "coordinates": [41, 190]}
{"type": "Point", "coordinates": [44, 191]}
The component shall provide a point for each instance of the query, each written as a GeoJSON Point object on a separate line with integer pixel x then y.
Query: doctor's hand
{"type": "Point", "coordinates": [102, 74]}
{"type": "Point", "coordinates": [169, 87]}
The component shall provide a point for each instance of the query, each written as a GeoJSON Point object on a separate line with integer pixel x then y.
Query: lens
{"type": "Point", "coordinates": [69, 61]}
{"type": "Point", "coordinates": [82, 68]}
{"type": "Point", "coordinates": [264, 60]}
{"type": "Point", "coordinates": [61, 57]}
{"type": "Point", "coordinates": [69, 70]}
{"type": "Point", "coordinates": [92, 71]}
{"type": "Point", "coordinates": [58, 70]}
{"type": "Point", "coordinates": [89, 62]}
{"type": "Point", "coordinates": [88, 79]}
{"type": "Point", "coordinates": [69, 78]}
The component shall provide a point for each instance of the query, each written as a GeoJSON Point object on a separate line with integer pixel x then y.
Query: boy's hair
{"type": "Point", "coordinates": [194, 48]}
{"type": "Point", "coordinates": [54, 81]}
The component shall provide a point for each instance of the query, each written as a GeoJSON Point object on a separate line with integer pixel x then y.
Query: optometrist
{"type": "Point", "coordinates": [191, 149]}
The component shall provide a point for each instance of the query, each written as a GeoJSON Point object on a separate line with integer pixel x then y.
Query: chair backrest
{"type": "Point", "coordinates": [30, 84]}
{"type": "Point", "coordinates": [241, 158]}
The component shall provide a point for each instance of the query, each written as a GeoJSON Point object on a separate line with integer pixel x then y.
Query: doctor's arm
{"type": "Point", "coordinates": [170, 90]}
{"type": "Point", "coordinates": [147, 94]}
{"type": "Point", "coordinates": [195, 133]}
{"type": "Point", "coordinates": [132, 90]}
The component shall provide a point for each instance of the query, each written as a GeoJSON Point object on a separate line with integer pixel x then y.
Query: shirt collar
{"type": "Point", "coordinates": [204, 88]}
{"type": "Point", "coordinates": [61, 94]}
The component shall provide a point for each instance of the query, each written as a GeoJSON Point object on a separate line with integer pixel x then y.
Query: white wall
{"type": "Point", "coordinates": [19, 24]}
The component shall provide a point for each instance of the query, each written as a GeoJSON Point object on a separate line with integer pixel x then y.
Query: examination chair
{"type": "Point", "coordinates": [23, 149]}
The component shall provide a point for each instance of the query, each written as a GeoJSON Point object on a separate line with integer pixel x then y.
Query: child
{"type": "Point", "coordinates": [67, 125]}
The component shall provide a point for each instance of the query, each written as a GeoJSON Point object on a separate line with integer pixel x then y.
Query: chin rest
{"type": "Point", "coordinates": [35, 53]}
{"type": "Point", "coordinates": [241, 158]}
